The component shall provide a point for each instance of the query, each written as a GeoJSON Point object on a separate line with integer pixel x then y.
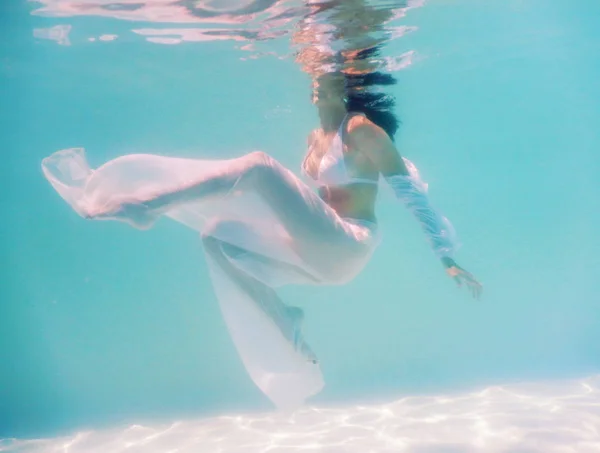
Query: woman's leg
{"type": "Point", "coordinates": [287, 318]}
{"type": "Point", "coordinates": [265, 331]}
{"type": "Point", "coordinates": [317, 234]}
{"type": "Point", "coordinates": [277, 232]}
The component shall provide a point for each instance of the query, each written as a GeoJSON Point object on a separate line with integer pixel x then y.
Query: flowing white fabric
{"type": "Point", "coordinates": [412, 191]}
{"type": "Point", "coordinates": [261, 228]}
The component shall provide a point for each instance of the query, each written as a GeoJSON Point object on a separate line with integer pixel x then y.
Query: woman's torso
{"type": "Point", "coordinates": [356, 198]}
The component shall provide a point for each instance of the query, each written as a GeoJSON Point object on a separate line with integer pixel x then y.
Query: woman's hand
{"type": "Point", "coordinates": [459, 275]}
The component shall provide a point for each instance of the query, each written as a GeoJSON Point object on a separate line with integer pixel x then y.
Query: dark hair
{"type": "Point", "coordinates": [362, 97]}
{"type": "Point", "coordinates": [377, 106]}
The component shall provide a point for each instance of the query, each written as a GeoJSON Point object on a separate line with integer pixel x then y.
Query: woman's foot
{"type": "Point", "coordinates": [297, 317]}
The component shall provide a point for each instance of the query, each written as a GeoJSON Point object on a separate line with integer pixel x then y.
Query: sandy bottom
{"type": "Point", "coordinates": [545, 417]}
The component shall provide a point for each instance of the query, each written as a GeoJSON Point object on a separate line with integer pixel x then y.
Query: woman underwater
{"type": "Point", "coordinates": [263, 227]}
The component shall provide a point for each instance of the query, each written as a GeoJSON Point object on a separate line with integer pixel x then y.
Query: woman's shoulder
{"type": "Point", "coordinates": [363, 129]}
{"type": "Point", "coordinates": [358, 120]}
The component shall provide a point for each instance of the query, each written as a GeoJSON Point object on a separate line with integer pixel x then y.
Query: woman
{"type": "Point", "coordinates": [262, 227]}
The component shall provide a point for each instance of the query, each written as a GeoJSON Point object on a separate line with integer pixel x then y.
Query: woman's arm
{"type": "Point", "coordinates": [404, 179]}
{"type": "Point", "coordinates": [308, 159]}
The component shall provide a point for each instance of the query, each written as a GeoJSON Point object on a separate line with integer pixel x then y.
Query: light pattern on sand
{"type": "Point", "coordinates": [548, 417]}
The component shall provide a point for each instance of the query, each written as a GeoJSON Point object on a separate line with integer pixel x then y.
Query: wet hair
{"type": "Point", "coordinates": [364, 96]}
{"type": "Point", "coordinates": [377, 106]}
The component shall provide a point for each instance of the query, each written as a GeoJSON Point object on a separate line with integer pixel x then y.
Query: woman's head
{"type": "Point", "coordinates": [354, 88]}
{"type": "Point", "coordinates": [329, 90]}
{"type": "Point", "coordinates": [329, 96]}
{"type": "Point", "coordinates": [335, 94]}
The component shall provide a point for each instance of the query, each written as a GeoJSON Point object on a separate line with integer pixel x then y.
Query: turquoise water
{"type": "Point", "coordinates": [105, 327]}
